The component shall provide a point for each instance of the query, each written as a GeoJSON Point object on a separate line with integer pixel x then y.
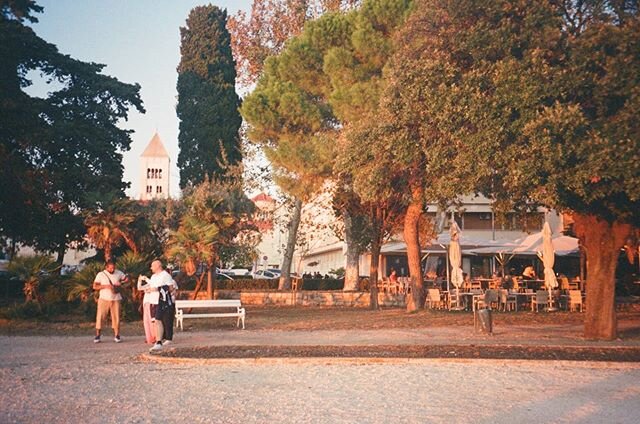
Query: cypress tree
{"type": "Point", "coordinates": [207, 102]}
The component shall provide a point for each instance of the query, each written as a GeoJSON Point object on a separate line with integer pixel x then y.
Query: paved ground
{"type": "Point", "coordinates": [69, 379]}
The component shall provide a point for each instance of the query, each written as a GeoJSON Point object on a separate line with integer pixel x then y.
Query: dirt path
{"type": "Point", "coordinates": [69, 379]}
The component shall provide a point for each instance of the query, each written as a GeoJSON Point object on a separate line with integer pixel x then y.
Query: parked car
{"type": "Point", "coordinates": [235, 272]}
{"type": "Point", "coordinates": [265, 274]}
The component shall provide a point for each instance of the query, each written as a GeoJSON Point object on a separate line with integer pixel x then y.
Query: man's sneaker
{"type": "Point", "coordinates": [96, 339]}
{"type": "Point", "coordinates": [166, 342]}
{"type": "Point", "coordinates": [117, 339]}
{"type": "Point", "coordinates": [156, 348]}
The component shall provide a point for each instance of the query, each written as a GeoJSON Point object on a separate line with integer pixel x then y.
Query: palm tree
{"type": "Point", "coordinates": [32, 270]}
{"type": "Point", "coordinates": [80, 285]}
{"type": "Point", "coordinates": [194, 244]}
{"type": "Point", "coordinates": [111, 225]}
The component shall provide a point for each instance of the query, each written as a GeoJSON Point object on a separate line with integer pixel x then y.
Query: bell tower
{"type": "Point", "coordinates": [154, 175]}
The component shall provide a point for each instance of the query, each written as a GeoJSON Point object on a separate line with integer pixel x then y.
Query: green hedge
{"type": "Point", "coordinates": [322, 284]}
{"type": "Point", "coordinates": [264, 284]}
{"type": "Point", "coordinates": [248, 284]}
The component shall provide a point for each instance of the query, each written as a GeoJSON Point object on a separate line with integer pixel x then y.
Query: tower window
{"type": "Point", "coordinates": [160, 173]}
{"type": "Point", "coordinates": [148, 173]}
{"type": "Point", "coordinates": [148, 189]}
{"type": "Point", "coordinates": [158, 189]}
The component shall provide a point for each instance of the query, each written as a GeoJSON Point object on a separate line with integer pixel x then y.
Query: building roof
{"type": "Point", "coordinates": [532, 244]}
{"type": "Point", "coordinates": [155, 148]}
{"type": "Point", "coordinates": [262, 197]}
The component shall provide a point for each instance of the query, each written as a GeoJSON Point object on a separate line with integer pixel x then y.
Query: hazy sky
{"type": "Point", "coordinates": [139, 41]}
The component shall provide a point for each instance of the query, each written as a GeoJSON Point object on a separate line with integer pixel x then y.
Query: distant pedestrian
{"type": "Point", "coordinates": [109, 282]}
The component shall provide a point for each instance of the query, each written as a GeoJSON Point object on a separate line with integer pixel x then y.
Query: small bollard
{"type": "Point", "coordinates": [484, 323]}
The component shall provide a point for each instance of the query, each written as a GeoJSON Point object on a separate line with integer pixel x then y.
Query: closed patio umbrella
{"type": "Point", "coordinates": [455, 258]}
{"type": "Point", "coordinates": [548, 259]}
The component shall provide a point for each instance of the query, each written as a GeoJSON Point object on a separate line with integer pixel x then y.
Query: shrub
{"type": "Point", "coordinates": [272, 284]}
{"type": "Point", "coordinates": [322, 284]}
{"type": "Point", "coordinates": [248, 284]}
{"type": "Point", "coordinates": [27, 310]}
{"type": "Point", "coordinates": [10, 286]}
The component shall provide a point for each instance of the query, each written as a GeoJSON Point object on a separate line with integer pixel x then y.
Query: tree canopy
{"type": "Point", "coordinates": [207, 102]}
{"type": "Point", "coordinates": [515, 100]}
{"type": "Point", "coordinates": [56, 149]}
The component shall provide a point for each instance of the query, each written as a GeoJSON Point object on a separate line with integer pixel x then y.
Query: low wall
{"type": "Point", "coordinates": [341, 298]}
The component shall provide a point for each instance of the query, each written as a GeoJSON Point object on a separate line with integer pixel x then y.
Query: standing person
{"type": "Point", "coordinates": [150, 297]}
{"type": "Point", "coordinates": [169, 315]}
{"type": "Point", "coordinates": [109, 282]}
{"type": "Point", "coordinates": [163, 283]}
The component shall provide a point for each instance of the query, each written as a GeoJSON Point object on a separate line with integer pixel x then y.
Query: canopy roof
{"type": "Point", "coordinates": [443, 240]}
{"type": "Point", "coordinates": [531, 245]}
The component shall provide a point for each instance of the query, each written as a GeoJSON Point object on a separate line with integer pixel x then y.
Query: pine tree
{"type": "Point", "coordinates": [207, 101]}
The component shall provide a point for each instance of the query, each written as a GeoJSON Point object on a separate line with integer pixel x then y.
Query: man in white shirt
{"type": "Point", "coordinates": [109, 283]}
{"type": "Point", "coordinates": [161, 316]}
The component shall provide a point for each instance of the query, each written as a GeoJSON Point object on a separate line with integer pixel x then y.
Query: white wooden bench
{"type": "Point", "coordinates": [181, 305]}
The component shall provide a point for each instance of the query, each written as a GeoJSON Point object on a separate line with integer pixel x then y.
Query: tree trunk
{"type": "Point", "coordinates": [285, 276]}
{"type": "Point", "coordinates": [210, 283]}
{"type": "Point", "coordinates": [377, 235]}
{"type": "Point", "coordinates": [352, 271]}
{"type": "Point", "coordinates": [60, 253]}
{"type": "Point", "coordinates": [198, 287]}
{"type": "Point", "coordinates": [12, 250]}
{"type": "Point", "coordinates": [411, 238]}
{"type": "Point", "coordinates": [602, 242]}
{"type": "Point", "coordinates": [373, 274]}
{"type": "Point", "coordinates": [107, 252]}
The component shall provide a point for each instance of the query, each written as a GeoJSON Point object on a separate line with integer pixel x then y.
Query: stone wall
{"type": "Point", "coordinates": [305, 298]}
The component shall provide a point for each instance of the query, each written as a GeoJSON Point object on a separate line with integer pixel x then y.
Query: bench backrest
{"type": "Point", "coordinates": [208, 303]}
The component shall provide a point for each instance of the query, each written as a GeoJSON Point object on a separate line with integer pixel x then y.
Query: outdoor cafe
{"type": "Point", "coordinates": [540, 272]}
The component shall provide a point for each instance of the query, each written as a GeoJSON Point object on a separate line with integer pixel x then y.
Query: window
{"type": "Point", "coordinates": [148, 189]}
{"type": "Point", "coordinates": [160, 173]}
{"type": "Point", "coordinates": [477, 221]}
{"type": "Point", "coordinates": [158, 189]}
{"type": "Point", "coordinates": [148, 173]}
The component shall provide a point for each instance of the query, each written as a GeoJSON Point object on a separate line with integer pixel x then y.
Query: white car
{"type": "Point", "coordinates": [268, 275]}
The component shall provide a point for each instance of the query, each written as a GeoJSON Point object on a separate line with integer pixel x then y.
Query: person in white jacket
{"type": "Point", "coordinates": [158, 279]}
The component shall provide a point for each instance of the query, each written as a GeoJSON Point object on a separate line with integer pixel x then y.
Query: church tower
{"type": "Point", "coordinates": [154, 175]}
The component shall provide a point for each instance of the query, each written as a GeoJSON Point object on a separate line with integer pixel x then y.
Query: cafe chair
{"type": "Point", "coordinates": [508, 302]}
{"type": "Point", "coordinates": [434, 299]}
{"type": "Point", "coordinates": [575, 300]}
{"type": "Point", "coordinates": [541, 298]}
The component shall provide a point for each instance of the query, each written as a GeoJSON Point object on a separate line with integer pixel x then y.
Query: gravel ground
{"type": "Point", "coordinates": [69, 379]}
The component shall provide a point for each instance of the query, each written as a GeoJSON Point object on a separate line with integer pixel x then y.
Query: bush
{"type": "Point", "coordinates": [272, 284]}
{"type": "Point", "coordinates": [33, 310]}
{"type": "Point", "coordinates": [10, 286]}
{"type": "Point", "coordinates": [28, 310]}
{"type": "Point", "coordinates": [248, 284]}
{"type": "Point", "coordinates": [322, 284]}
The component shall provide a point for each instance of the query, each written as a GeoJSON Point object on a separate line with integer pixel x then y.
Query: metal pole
{"type": "Point", "coordinates": [493, 224]}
